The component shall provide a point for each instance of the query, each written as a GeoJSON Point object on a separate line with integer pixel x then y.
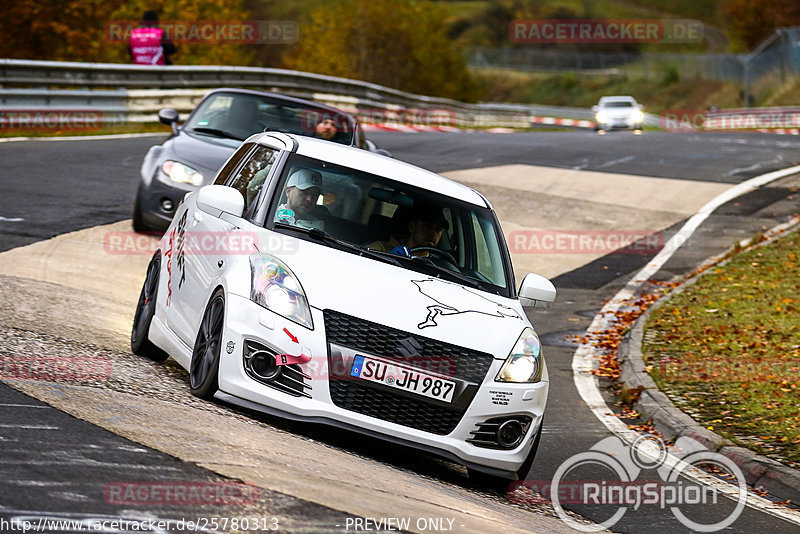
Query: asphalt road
{"type": "Point", "coordinates": [709, 157]}
{"type": "Point", "coordinates": [48, 188]}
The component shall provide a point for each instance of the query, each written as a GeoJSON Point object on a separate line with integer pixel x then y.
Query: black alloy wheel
{"type": "Point", "coordinates": [204, 369]}
{"type": "Point", "coordinates": [145, 310]}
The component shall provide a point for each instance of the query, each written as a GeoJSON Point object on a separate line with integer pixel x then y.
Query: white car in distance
{"type": "Point", "coordinates": [316, 310]}
{"type": "Point", "coordinates": [618, 112]}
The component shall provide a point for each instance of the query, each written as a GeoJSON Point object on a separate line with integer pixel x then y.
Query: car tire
{"type": "Point", "coordinates": [204, 368]}
{"type": "Point", "coordinates": [138, 220]}
{"type": "Point", "coordinates": [525, 468]}
{"type": "Point", "coordinates": [501, 484]}
{"type": "Point", "coordinates": [145, 310]}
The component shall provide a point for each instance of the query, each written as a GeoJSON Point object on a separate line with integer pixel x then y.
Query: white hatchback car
{"type": "Point", "coordinates": [613, 112]}
{"type": "Point", "coordinates": [316, 309]}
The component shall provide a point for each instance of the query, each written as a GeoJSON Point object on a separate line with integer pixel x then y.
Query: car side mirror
{"type": "Point", "coordinates": [219, 199]}
{"type": "Point", "coordinates": [595, 108]}
{"type": "Point", "coordinates": [537, 291]}
{"type": "Point", "coordinates": [372, 147]}
{"type": "Point", "coordinates": [169, 117]}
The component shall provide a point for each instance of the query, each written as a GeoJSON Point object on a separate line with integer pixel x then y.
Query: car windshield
{"type": "Point", "coordinates": [618, 104]}
{"type": "Point", "coordinates": [240, 115]}
{"type": "Point", "coordinates": [394, 222]}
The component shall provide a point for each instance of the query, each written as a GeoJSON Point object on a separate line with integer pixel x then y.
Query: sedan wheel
{"type": "Point", "coordinates": [204, 369]}
{"type": "Point", "coordinates": [145, 310]}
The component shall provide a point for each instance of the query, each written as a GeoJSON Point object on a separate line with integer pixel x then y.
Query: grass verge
{"type": "Point", "coordinates": [727, 349]}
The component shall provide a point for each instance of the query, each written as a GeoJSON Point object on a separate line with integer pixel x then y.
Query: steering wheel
{"type": "Point", "coordinates": [446, 255]}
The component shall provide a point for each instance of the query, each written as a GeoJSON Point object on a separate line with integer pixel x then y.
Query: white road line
{"type": "Point", "coordinates": [22, 405]}
{"type": "Point", "coordinates": [11, 219]}
{"type": "Point", "coordinates": [583, 362]}
{"type": "Point", "coordinates": [615, 161]}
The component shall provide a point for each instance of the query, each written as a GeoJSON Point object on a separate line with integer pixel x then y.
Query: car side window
{"type": "Point", "coordinates": [253, 174]}
{"type": "Point", "coordinates": [232, 164]}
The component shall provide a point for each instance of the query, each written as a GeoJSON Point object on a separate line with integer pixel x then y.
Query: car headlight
{"type": "Point", "coordinates": [638, 117]}
{"type": "Point", "coordinates": [524, 364]}
{"type": "Point", "coordinates": [178, 172]}
{"type": "Point", "coordinates": [276, 288]}
{"type": "Point", "coordinates": [601, 117]}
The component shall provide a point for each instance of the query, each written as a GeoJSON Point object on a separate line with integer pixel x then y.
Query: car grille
{"type": "Point", "coordinates": [375, 401]}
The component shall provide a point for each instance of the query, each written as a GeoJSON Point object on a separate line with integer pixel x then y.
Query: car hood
{"type": "Point", "coordinates": [406, 300]}
{"type": "Point", "coordinates": [205, 154]}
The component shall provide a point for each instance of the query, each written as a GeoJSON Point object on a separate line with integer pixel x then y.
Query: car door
{"type": "Point", "coordinates": [212, 240]}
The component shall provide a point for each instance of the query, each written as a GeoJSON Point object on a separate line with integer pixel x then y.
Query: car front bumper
{"type": "Point", "coordinates": [247, 322]}
{"type": "Point", "coordinates": [154, 196]}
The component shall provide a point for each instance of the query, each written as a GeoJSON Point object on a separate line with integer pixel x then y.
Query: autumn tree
{"type": "Point", "coordinates": [397, 43]}
{"type": "Point", "coordinates": [77, 30]}
{"type": "Point", "coordinates": [755, 20]}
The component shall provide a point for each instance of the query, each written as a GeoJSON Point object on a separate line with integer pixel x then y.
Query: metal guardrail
{"type": "Point", "coordinates": [121, 88]}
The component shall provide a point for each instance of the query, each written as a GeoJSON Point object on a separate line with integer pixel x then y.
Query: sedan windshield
{"type": "Point", "coordinates": [389, 221]}
{"type": "Point", "coordinates": [240, 115]}
{"type": "Point", "coordinates": [618, 104]}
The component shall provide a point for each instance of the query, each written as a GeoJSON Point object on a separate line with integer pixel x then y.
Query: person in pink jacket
{"type": "Point", "coordinates": [149, 44]}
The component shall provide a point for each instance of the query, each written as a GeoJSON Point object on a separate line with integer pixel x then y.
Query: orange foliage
{"type": "Point", "coordinates": [76, 30]}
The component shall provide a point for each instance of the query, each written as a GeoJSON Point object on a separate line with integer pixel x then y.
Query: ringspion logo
{"type": "Point", "coordinates": [624, 488]}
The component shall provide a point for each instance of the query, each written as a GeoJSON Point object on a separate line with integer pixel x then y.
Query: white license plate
{"type": "Point", "coordinates": [403, 378]}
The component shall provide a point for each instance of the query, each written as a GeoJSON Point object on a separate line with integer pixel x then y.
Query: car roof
{"type": "Point", "coordinates": [366, 161]}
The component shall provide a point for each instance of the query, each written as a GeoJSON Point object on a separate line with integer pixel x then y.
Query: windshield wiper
{"type": "Point", "coordinates": [387, 257]}
{"type": "Point", "coordinates": [321, 235]}
{"type": "Point", "coordinates": [439, 270]}
{"type": "Point", "coordinates": [217, 132]}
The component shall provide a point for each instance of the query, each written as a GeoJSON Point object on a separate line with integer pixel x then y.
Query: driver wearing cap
{"type": "Point", "coordinates": [303, 189]}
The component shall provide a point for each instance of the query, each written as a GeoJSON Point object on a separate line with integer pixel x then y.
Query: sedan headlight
{"type": "Point", "coordinates": [638, 116]}
{"type": "Point", "coordinates": [178, 172]}
{"type": "Point", "coordinates": [524, 364]}
{"type": "Point", "coordinates": [276, 288]}
{"type": "Point", "coordinates": [601, 117]}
